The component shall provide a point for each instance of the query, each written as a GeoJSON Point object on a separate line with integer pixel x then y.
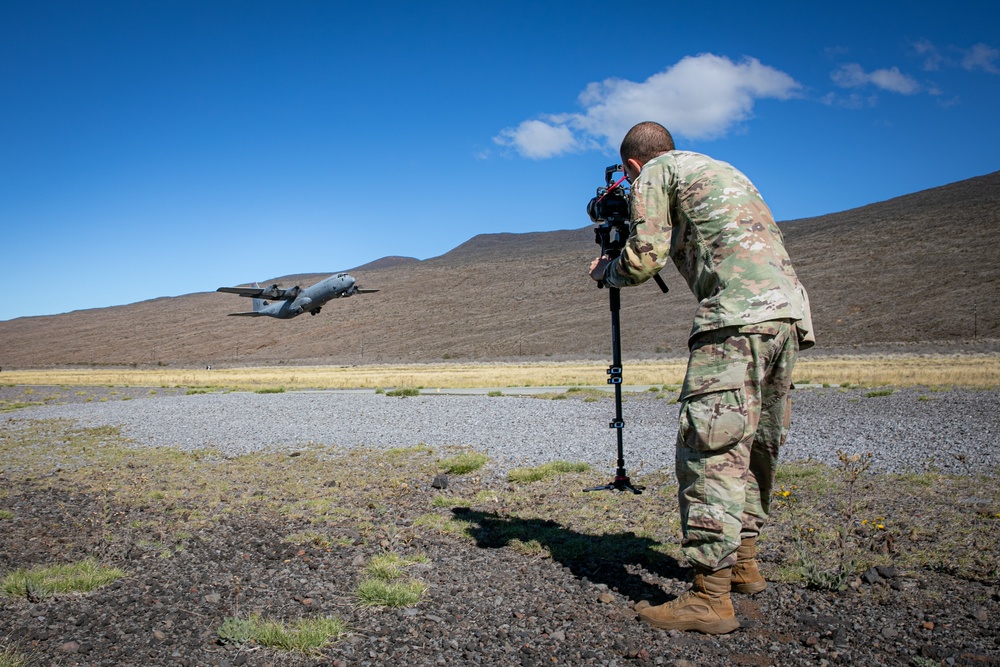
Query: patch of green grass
{"type": "Point", "coordinates": [878, 392]}
{"type": "Point", "coordinates": [799, 471]}
{"type": "Point", "coordinates": [41, 582]}
{"type": "Point", "coordinates": [545, 471]}
{"type": "Point", "coordinates": [449, 501]}
{"type": "Point", "coordinates": [464, 463]}
{"type": "Point", "coordinates": [10, 656]}
{"type": "Point", "coordinates": [271, 390]}
{"type": "Point", "coordinates": [6, 514]}
{"type": "Point", "coordinates": [379, 593]}
{"type": "Point", "coordinates": [309, 537]}
{"type": "Point", "coordinates": [405, 452]}
{"type": "Point", "coordinates": [390, 566]}
{"type": "Point", "coordinates": [584, 392]}
{"type": "Point", "coordinates": [307, 635]}
{"type": "Point", "coordinates": [439, 523]}
{"type": "Point", "coordinates": [383, 586]}
{"type": "Point", "coordinates": [7, 407]}
{"type": "Point", "coordinates": [403, 392]}
{"type": "Point", "coordinates": [494, 393]}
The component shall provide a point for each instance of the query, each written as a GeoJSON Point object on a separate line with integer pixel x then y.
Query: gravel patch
{"type": "Point", "coordinates": [911, 429]}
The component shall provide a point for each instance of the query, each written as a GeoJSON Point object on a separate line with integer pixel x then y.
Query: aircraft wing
{"type": "Point", "coordinates": [249, 314]}
{"type": "Point", "coordinates": [273, 292]}
{"type": "Point", "coordinates": [364, 291]}
{"type": "Point", "coordinates": [253, 292]}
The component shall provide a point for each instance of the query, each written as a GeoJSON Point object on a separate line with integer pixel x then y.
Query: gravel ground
{"type": "Point", "coordinates": [487, 605]}
{"type": "Point", "coordinates": [910, 429]}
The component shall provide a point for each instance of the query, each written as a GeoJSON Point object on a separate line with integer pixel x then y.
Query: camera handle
{"type": "Point", "coordinates": [621, 481]}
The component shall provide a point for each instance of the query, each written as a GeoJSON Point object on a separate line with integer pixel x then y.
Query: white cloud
{"type": "Point", "coordinates": [981, 56]}
{"type": "Point", "coordinates": [852, 75]}
{"type": "Point", "coordinates": [851, 101]}
{"type": "Point", "coordinates": [894, 81]}
{"type": "Point", "coordinates": [536, 139]}
{"type": "Point", "coordinates": [932, 57]}
{"type": "Point", "coordinates": [700, 97]}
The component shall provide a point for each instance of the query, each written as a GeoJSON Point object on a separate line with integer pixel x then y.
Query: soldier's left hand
{"type": "Point", "coordinates": [598, 267]}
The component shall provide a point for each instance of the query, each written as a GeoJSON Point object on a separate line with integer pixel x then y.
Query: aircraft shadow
{"type": "Point", "coordinates": [611, 559]}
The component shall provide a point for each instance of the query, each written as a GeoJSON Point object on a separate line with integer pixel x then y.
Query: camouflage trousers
{"type": "Point", "coordinates": [734, 417]}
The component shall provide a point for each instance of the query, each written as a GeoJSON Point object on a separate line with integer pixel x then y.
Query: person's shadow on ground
{"type": "Point", "coordinates": [611, 559]}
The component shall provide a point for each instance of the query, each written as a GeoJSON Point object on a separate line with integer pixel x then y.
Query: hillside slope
{"type": "Point", "coordinates": [922, 267]}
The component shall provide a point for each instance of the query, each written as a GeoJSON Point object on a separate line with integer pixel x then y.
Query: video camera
{"type": "Point", "coordinates": [609, 210]}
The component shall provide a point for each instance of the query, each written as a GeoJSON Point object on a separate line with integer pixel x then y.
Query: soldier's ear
{"type": "Point", "coordinates": [633, 167]}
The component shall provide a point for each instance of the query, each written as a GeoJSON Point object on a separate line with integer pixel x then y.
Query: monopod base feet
{"type": "Point", "coordinates": [620, 483]}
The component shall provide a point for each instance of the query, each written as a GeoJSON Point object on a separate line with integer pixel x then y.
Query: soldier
{"type": "Point", "coordinates": [752, 319]}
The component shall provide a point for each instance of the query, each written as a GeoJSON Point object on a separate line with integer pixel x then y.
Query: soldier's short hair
{"type": "Point", "coordinates": [645, 141]}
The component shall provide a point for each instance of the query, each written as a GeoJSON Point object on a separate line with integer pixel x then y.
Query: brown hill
{"type": "Point", "coordinates": [922, 267]}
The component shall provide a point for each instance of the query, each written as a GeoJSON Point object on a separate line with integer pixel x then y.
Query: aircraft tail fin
{"type": "Point", "coordinates": [258, 304]}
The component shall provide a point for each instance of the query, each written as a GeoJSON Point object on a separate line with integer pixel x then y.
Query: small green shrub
{"type": "Point", "coordinates": [271, 390]}
{"type": "Point", "coordinates": [237, 631]}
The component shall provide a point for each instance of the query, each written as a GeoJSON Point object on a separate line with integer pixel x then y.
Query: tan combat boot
{"type": "Point", "coordinates": [746, 576]}
{"type": "Point", "coordinates": [706, 607]}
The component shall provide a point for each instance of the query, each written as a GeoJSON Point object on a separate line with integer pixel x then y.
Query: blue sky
{"type": "Point", "coordinates": [161, 148]}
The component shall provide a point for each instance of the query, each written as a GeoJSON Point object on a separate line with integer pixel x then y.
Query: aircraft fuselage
{"type": "Point", "coordinates": [310, 299]}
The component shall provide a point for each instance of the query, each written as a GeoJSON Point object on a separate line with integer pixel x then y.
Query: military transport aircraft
{"type": "Point", "coordinates": [294, 301]}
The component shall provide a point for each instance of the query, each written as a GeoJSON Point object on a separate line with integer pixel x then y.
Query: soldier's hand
{"type": "Point", "coordinates": [598, 267]}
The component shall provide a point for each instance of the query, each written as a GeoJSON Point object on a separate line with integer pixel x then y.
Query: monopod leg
{"type": "Point", "coordinates": [621, 481]}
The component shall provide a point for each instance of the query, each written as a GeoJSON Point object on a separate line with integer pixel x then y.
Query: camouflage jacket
{"type": "Point", "coordinates": [708, 218]}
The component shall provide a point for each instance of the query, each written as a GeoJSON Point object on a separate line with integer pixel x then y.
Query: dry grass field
{"type": "Point", "coordinates": [974, 371]}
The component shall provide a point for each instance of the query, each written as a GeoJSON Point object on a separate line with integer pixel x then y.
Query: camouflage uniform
{"type": "Point", "coordinates": [752, 318]}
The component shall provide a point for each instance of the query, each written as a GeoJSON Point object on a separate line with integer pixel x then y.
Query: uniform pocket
{"type": "Point", "coordinates": [704, 522]}
{"type": "Point", "coordinates": [713, 407]}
